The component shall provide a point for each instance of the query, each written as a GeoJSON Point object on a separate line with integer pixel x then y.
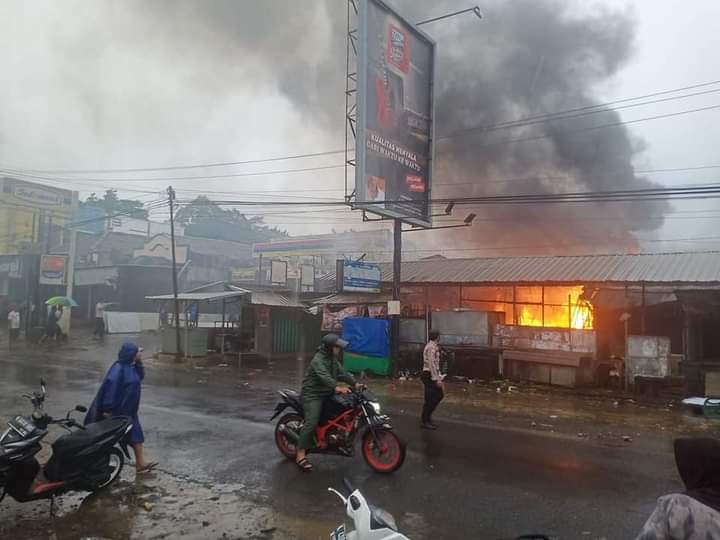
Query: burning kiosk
{"type": "Point", "coordinates": [564, 320]}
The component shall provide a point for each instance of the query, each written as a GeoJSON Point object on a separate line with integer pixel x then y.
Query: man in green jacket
{"type": "Point", "coordinates": [322, 380]}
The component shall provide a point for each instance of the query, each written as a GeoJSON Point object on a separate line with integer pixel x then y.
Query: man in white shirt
{"type": "Point", "coordinates": [432, 379]}
{"type": "Point", "coordinates": [99, 320]}
{"type": "Point", "coordinates": [13, 325]}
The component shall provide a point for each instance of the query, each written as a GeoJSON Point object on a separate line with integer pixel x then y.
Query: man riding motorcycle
{"type": "Point", "coordinates": [321, 381]}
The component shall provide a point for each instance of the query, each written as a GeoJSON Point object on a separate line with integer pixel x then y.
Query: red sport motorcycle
{"type": "Point", "coordinates": [343, 417]}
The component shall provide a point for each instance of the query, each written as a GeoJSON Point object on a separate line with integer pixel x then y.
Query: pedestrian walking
{"type": "Point", "coordinates": [52, 328]}
{"type": "Point", "coordinates": [163, 317]}
{"type": "Point", "coordinates": [432, 380]}
{"type": "Point", "coordinates": [99, 331]}
{"type": "Point", "coordinates": [119, 395]}
{"type": "Point", "coordinates": [194, 315]}
{"type": "Point", "coordinates": [13, 326]}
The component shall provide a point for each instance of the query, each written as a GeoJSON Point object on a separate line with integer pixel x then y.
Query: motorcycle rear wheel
{"type": "Point", "coordinates": [116, 462]}
{"type": "Point", "coordinates": [388, 456]}
{"type": "Point", "coordinates": [287, 448]}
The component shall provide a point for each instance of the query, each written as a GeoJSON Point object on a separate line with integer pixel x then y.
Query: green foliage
{"type": "Point", "coordinates": [112, 204]}
{"type": "Point", "coordinates": [206, 219]}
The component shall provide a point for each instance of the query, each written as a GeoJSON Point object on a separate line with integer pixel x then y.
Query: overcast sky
{"type": "Point", "coordinates": [116, 84]}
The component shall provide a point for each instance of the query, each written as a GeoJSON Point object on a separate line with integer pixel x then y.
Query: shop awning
{"type": "Point", "coordinates": [201, 296]}
{"type": "Point", "coordinates": [350, 299]}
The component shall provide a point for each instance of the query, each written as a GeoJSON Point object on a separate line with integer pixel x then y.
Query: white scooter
{"type": "Point", "coordinates": [371, 522]}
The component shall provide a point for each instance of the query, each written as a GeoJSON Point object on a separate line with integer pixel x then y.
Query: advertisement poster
{"type": "Point", "coordinates": [262, 317]}
{"type": "Point", "coordinates": [52, 269]}
{"type": "Point", "coordinates": [395, 116]}
{"type": "Point", "coordinates": [332, 320]}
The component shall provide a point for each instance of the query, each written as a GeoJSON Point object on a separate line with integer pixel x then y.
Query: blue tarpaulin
{"type": "Point", "coordinates": [367, 336]}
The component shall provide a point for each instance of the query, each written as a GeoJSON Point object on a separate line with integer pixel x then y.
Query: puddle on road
{"type": "Point", "coordinates": [156, 506]}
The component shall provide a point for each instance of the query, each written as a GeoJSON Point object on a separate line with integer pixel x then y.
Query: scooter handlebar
{"type": "Point", "coordinates": [348, 486]}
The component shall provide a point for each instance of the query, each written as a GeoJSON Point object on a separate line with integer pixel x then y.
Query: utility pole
{"type": "Point", "coordinates": [395, 319]}
{"type": "Point", "coordinates": [70, 275]}
{"type": "Point", "coordinates": [171, 201]}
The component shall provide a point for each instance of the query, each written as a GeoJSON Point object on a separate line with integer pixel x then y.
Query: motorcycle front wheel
{"type": "Point", "coordinates": [287, 447]}
{"type": "Point", "coordinates": [386, 455]}
{"type": "Point", "coordinates": [116, 462]}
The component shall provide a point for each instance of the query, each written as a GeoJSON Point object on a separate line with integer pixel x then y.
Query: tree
{"type": "Point", "coordinates": [112, 204]}
{"type": "Point", "coordinates": [207, 219]}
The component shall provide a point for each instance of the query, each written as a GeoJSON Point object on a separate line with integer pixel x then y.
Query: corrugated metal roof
{"type": "Point", "coordinates": [693, 267]}
{"type": "Point", "coordinates": [354, 298]}
{"type": "Point", "coordinates": [273, 299]}
{"type": "Point", "coordinates": [201, 296]}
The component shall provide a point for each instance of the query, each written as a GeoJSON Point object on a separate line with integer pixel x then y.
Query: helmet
{"type": "Point", "coordinates": [333, 340]}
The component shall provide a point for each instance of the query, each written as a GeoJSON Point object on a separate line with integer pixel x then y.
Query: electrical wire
{"type": "Point", "coordinates": [554, 118]}
{"type": "Point", "coordinates": [342, 151]}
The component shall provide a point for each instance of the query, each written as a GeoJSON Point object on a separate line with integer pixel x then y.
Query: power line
{"type": "Point", "coordinates": [193, 166]}
{"type": "Point", "coordinates": [543, 247]}
{"type": "Point", "coordinates": [563, 116]}
{"type": "Point", "coordinates": [169, 178]}
{"type": "Point", "coordinates": [593, 128]}
{"type": "Point", "coordinates": [342, 151]}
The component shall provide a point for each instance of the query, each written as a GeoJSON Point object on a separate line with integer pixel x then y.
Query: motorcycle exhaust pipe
{"type": "Point", "coordinates": [292, 435]}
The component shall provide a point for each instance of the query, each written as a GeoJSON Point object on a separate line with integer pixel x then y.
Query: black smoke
{"type": "Point", "coordinates": [526, 58]}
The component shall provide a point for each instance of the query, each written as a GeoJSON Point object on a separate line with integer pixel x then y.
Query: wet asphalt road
{"type": "Point", "coordinates": [221, 473]}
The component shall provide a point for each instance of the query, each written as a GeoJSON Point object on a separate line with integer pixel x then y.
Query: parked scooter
{"type": "Point", "coordinates": [87, 459]}
{"type": "Point", "coordinates": [373, 523]}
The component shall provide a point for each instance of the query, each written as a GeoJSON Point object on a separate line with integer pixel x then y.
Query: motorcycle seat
{"type": "Point", "coordinates": [293, 398]}
{"type": "Point", "coordinates": [77, 440]}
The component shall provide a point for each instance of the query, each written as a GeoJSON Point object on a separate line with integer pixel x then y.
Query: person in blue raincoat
{"type": "Point", "coordinates": [119, 395]}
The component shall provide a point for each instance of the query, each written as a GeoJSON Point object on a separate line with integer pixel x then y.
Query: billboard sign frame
{"type": "Point", "coordinates": [404, 158]}
{"type": "Point", "coordinates": [53, 269]}
{"type": "Point", "coordinates": [359, 276]}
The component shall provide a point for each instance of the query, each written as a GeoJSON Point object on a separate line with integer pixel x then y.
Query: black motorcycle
{"type": "Point", "coordinates": [88, 458]}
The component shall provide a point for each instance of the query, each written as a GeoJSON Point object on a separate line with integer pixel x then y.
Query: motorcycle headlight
{"type": "Point", "coordinates": [376, 406]}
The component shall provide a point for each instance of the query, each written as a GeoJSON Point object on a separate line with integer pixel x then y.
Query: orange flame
{"type": "Point", "coordinates": [576, 313]}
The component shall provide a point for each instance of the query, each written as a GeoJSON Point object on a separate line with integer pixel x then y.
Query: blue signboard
{"type": "Point", "coordinates": [360, 276]}
{"type": "Point", "coordinates": [91, 219]}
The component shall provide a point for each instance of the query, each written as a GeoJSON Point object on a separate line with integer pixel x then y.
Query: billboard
{"type": "Point", "coordinates": [52, 269]}
{"type": "Point", "coordinates": [394, 144]}
{"type": "Point", "coordinates": [28, 210]}
{"type": "Point", "coordinates": [358, 276]}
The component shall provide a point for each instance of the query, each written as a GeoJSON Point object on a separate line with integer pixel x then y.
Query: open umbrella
{"type": "Point", "coordinates": [65, 301]}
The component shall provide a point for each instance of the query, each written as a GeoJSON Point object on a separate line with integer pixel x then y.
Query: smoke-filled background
{"type": "Point", "coordinates": [117, 84]}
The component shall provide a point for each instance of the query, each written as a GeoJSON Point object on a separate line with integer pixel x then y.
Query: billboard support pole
{"type": "Point", "coordinates": [395, 319]}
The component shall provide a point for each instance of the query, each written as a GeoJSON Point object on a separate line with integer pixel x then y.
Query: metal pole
{"type": "Point", "coordinates": [474, 9]}
{"type": "Point", "coordinates": [70, 275]}
{"type": "Point", "coordinates": [642, 310]}
{"type": "Point", "coordinates": [395, 319]}
{"type": "Point", "coordinates": [171, 201]}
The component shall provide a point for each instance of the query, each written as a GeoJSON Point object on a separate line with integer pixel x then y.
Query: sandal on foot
{"type": "Point", "coordinates": [304, 465]}
{"type": "Point", "coordinates": [147, 468]}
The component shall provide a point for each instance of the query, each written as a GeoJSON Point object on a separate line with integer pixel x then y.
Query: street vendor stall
{"type": "Point", "coordinates": [203, 317]}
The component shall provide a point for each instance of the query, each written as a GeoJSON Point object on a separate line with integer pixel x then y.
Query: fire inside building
{"type": "Point", "coordinates": [569, 320]}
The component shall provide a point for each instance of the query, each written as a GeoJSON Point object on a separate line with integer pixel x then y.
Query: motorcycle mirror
{"type": "Point", "coordinates": [80, 408]}
{"type": "Point", "coordinates": [42, 385]}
